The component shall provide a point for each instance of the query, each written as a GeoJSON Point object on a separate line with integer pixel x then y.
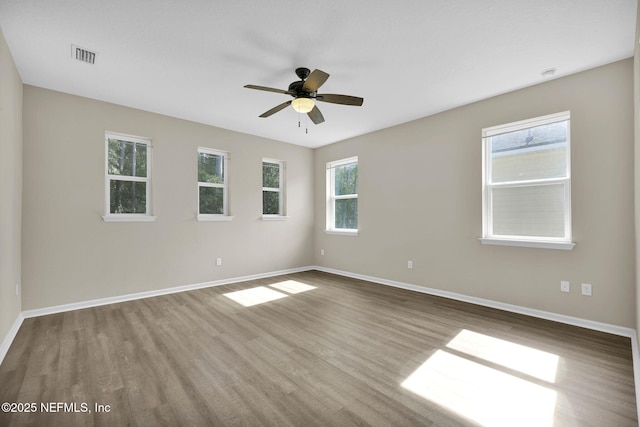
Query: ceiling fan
{"type": "Point", "coordinates": [305, 92]}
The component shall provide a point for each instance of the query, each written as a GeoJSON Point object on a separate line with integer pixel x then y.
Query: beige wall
{"type": "Point", "coordinates": [71, 255]}
{"type": "Point", "coordinates": [419, 192]}
{"type": "Point", "coordinates": [420, 199]}
{"type": "Point", "coordinates": [636, 117]}
{"type": "Point", "coordinates": [10, 187]}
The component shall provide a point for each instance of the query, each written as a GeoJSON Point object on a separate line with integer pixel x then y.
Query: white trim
{"type": "Point", "coordinates": [330, 204]}
{"type": "Point", "coordinates": [342, 162]}
{"type": "Point", "coordinates": [342, 231]}
{"type": "Point", "coordinates": [528, 243]}
{"type": "Point", "coordinates": [108, 177]}
{"type": "Point", "coordinates": [11, 335]}
{"type": "Point", "coordinates": [274, 217]}
{"type": "Point", "coordinates": [128, 218]}
{"type": "Point", "coordinates": [541, 314]}
{"type": "Point", "coordinates": [488, 186]}
{"type": "Point", "coordinates": [213, 217]}
{"type": "Point", "coordinates": [148, 294]}
{"type": "Point", "coordinates": [127, 137]}
{"type": "Point", "coordinates": [526, 123]}
{"type": "Point", "coordinates": [225, 184]}
{"type": "Point", "coordinates": [575, 321]}
{"type": "Point", "coordinates": [635, 352]}
{"type": "Point", "coordinates": [281, 190]}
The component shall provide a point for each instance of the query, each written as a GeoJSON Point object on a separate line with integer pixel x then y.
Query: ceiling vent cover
{"type": "Point", "coordinates": [83, 55]}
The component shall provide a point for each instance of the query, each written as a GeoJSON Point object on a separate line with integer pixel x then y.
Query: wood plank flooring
{"type": "Point", "coordinates": [336, 354]}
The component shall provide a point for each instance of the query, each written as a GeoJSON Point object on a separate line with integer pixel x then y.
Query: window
{"type": "Point", "coordinates": [527, 183]}
{"type": "Point", "coordinates": [128, 178]}
{"type": "Point", "coordinates": [273, 196]}
{"type": "Point", "coordinates": [212, 185]}
{"type": "Point", "coordinates": [342, 196]}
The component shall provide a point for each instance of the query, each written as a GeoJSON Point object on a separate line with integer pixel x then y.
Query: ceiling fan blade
{"type": "Point", "coordinates": [268, 89]}
{"type": "Point", "coordinates": [276, 109]}
{"type": "Point", "coordinates": [315, 80]}
{"type": "Point", "coordinates": [315, 115]}
{"type": "Point", "coordinates": [340, 99]}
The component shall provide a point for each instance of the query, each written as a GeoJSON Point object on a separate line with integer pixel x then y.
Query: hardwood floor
{"type": "Point", "coordinates": [329, 351]}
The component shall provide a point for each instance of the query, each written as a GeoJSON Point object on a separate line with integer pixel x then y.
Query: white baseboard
{"type": "Point", "coordinates": [8, 339]}
{"type": "Point", "coordinates": [148, 294]}
{"type": "Point", "coordinates": [575, 321]}
{"type": "Point", "coordinates": [570, 320]}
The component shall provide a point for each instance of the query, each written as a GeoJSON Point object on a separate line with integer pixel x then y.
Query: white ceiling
{"type": "Point", "coordinates": [407, 59]}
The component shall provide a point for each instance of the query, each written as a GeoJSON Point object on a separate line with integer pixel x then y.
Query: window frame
{"type": "Point", "coordinates": [331, 197]}
{"type": "Point", "coordinates": [282, 211]}
{"type": "Point", "coordinates": [488, 237]}
{"type": "Point", "coordinates": [128, 217]}
{"type": "Point", "coordinates": [224, 216]}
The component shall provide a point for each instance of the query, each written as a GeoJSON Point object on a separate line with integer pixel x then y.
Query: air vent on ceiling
{"type": "Point", "coordinates": [83, 55]}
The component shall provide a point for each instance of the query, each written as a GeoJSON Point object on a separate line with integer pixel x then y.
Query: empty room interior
{"type": "Point", "coordinates": [337, 213]}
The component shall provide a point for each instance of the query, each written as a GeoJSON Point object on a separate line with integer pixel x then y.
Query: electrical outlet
{"type": "Point", "coordinates": [18, 289]}
{"type": "Point", "coordinates": [565, 286]}
{"type": "Point", "coordinates": [321, 251]}
{"type": "Point", "coordinates": [587, 289]}
{"type": "Point", "coordinates": [218, 262]}
{"type": "Point", "coordinates": [409, 264]}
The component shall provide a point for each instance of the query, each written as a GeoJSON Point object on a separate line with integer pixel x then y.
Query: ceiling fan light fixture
{"type": "Point", "coordinates": [303, 105]}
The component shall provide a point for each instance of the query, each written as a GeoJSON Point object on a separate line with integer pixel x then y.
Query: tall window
{"type": "Point", "coordinates": [527, 183]}
{"type": "Point", "coordinates": [342, 196]}
{"type": "Point", "coordinates": [272, 188]}
{"type": "Point", "coordinates": [128, 178]}
{"type": "Point", "coordinates": [212, 184]}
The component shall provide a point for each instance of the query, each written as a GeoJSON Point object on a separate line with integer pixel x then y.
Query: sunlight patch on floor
{"type": "Point", "coordinates": [484, 394]}
{"type": "Point", "coordinates": [262, 294]}
{"type": "Point", "coordinates": [530, 361]}
{"type": "Point", "coordinates": [255, 296]}
{"type": "Point", "coordinates": [292, 286]}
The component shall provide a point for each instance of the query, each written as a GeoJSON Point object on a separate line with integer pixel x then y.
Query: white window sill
{"type": "Point", "coordinates": [207, 217]}
{"type": "Point", "coordinates": [344, 232]}
{"type": "Point", "coordinates": [528, 243]}
{"type": "Point", "coordinates": [274, 217]}
{"type": "Point", "coordinates": [128, 218]}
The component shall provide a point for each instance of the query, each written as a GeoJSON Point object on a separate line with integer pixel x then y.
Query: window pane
{"type": "Point", "coordinates": [127, 158]}
{"type": "Point", "coordinates": [128, 197]}
{"type": "Point", "coordinates": [536, 211]}
{"type": "Point", "coordinates": [270, 175]}
{"type": "Point", "coordinates": [346, 179]}
{"type": "Point", "coordinates": [270, 203]}
{"type": "Point", "coordinates": [346, 213]}
{"type": "Point", "coordinates": [535, 153]}
{"type": "Point", "coordinates": [211, 168]}
{"type": "Point", "coordinates": [211, 200]}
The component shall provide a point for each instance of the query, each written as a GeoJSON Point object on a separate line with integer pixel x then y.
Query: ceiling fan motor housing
{"type": "Point", "coordinates": [302, 73]}
{"type": "Point", "coordinates": [297, 92]}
